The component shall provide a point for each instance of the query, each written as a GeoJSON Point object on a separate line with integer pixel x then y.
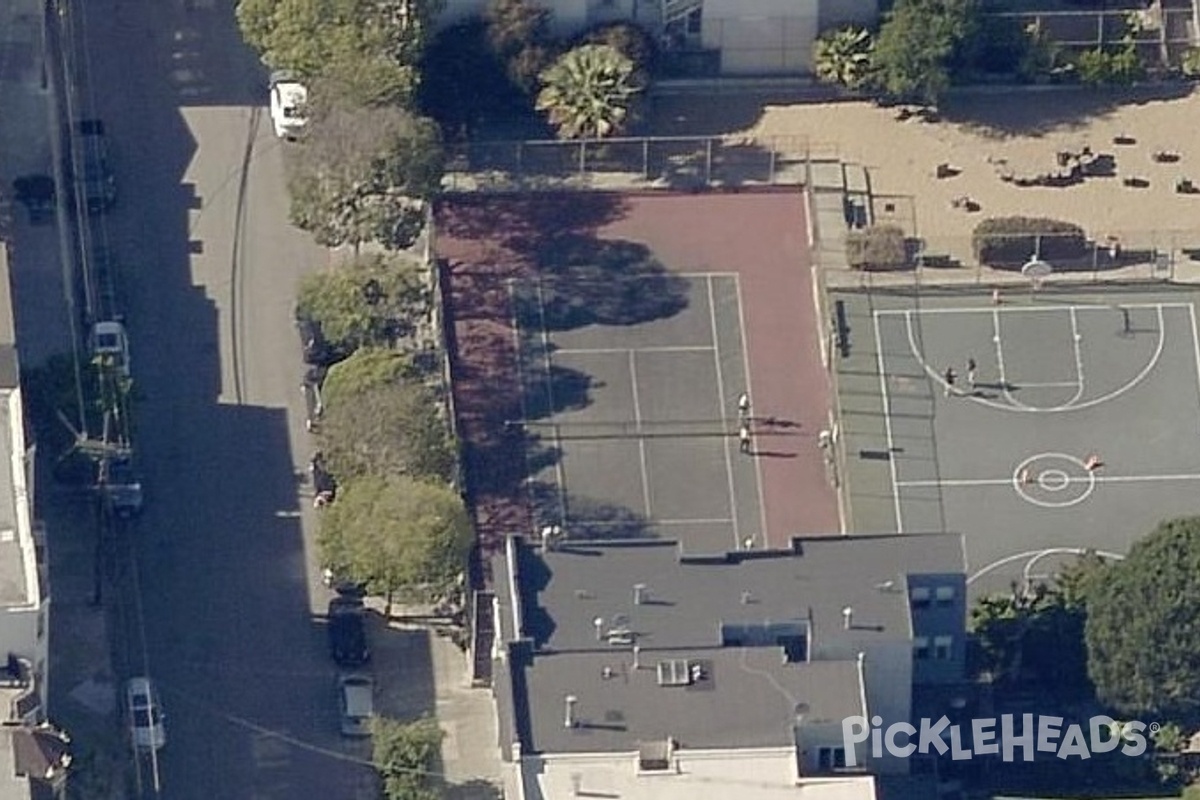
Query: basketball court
{"type": "Point", "coordinates": [634, 431]}
{"type": "Point", "coordinates": [1081, 430]}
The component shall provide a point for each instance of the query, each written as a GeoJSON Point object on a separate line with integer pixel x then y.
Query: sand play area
{"type": "Point", "coordinates": [1149, 133]}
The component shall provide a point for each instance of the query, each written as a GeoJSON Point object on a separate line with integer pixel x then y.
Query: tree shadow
{"type": "Point", "coordinates": [997, 116]}
{"type": "Point", "coordinates": [584, 281]}
{"type": "Point", "coordinates": [476, 789]}
{"type": "Point", "coordinates": [689, 114]}
{"type": "Point", "coordinates": [501, 219]}
{"type": "Point", "coordinates": [584, 518]}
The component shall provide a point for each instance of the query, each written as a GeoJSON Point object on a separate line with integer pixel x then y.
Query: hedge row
{"type": "Point", "coordinates": [1012, 241]}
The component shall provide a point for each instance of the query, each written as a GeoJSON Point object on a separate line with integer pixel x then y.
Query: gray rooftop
{"type": "Point", "coordinates": [579, 612]}
{"type": "Point", "coordinates": [747, 698]}
{"type": "Point", "coordinates": [685, 599]}
{"type": "Point", "coordinates": [17, 565]}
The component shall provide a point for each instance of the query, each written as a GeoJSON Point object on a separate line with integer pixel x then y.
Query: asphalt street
{"type": "Point", "coordinates": [225, 579]}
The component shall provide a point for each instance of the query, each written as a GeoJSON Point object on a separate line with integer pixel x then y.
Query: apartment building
{"type": "Point", "coordinates": [638, 669]}
{"type": "Point", "coordinates": [737, 37]}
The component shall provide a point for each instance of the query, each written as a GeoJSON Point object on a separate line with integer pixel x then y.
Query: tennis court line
{"type": "Point", "coordinates": [559, 474]}
{"type": "Point", "coordinates": [883, 312]}
{"type": "Point", "coordinates": [1117, 479]}
{"type": "Point", "coordinates": [762, 500]}
{"type": "Point", "coordinates": [637, 418]}
{"type": "Point", "coordinates": [887, 418]}
{"type": "Point", "coordinates": [522, 389]}
{"type": "Point", "coordinates": [601, 351]}
{"type": "Point", "coordinates": [620, 523]}
{"type": "Point", "coordinates": [721, 400]}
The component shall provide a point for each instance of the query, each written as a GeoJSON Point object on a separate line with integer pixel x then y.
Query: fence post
{"type": "Point", "coordinates": [646, 158]}
{"type": "Point", "coordinates": [582, 157]}
{"type": "Point", "coordinates": [520, 159]}
{"type": "Point", "coordinates": [771, 168]}
{"type": "Point", "coordinates": [708, 160]}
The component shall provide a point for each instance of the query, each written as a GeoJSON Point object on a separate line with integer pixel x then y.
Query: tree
{"type": "Point", "coordinates": [367, 368]}
{"type": "Point", "coordinates": [370, 47]}
{"type": "Point", "coordinates": [519, 33]}
{"type": "Point", "coordinates": [370, 301]}
{"type": "Point", "coordinates": [405, 754]}
{"type": "Point", "coordinates": [390, 429]}
{"type": "Point", "coordinates": [401, 537]}
{"type": "Point", "coordinates": [588, 91]}
{"type": "Point", "coordinates": [465, 81]}
{"type": "Point", "coordinates": [1141, 633]}
{"type": "Point", "coordinates": [843, 56]}
{"type": "Point", "coordinates": [630, 40]}
{"type": "Point", "coordinates": [364, 174]}
{"type": "Point", "coordinates": [917, 43]}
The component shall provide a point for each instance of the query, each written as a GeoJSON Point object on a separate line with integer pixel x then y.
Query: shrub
{"type": "Point", "coordinates": [877, 247]}
{"type": "Point", "coordinates": [628, 39]}
{"type": "Point", "coordinates": [1012, 241]}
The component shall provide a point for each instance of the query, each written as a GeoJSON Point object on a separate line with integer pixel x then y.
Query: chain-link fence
{"type": "Point", "coordinates": [1024, 260]}
{"type": "Point", "coordinates": [1159, 34]}
{"type": "Point", "coordinates": [665, 162]}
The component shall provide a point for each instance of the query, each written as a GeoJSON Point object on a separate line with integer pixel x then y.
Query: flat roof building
{"type": "Point", "coordinates": [629, 658]}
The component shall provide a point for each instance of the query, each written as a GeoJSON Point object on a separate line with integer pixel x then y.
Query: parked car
{"type": "Point", "coordinates": [121, 487]}
{"type": "Point", "coordinates": [289, 98]}
{"type": "Point", "coordinates": [356, 699]}
{"type": "Point", "coordinates": [94, 180]}
{"type": "Point", "coordinates": [110, 345]}
{"type": "Point", "coordinates": [37, 194]}
{"type": "Point", "coordinates": [347, 620]}
{"type": "Point", "coordinates": [146, 718]}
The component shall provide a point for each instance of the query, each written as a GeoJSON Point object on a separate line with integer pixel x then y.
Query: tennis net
{"type": "Point", "coordinates": [627, 429]}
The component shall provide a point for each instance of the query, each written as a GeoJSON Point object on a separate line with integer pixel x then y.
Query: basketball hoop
{"type": "Point", "coordinates": [1036, 270]}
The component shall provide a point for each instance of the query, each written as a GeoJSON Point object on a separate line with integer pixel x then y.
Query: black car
{"type": "Point", "coordinates": [318, 352]}
{"type": "Point", "coordinates": [347, 620]}
{"type": "Point", "coordinates": [37, 194]}
{"type": "Point", "coordinates": [94, 179]}
{"type": "Point", "coordinates": [121, 486]}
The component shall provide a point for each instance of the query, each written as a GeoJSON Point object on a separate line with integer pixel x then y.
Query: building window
{"type": "Point", "coordinates": [920, 647]}
{"type": "Point", "coordinates": [830, 758]}
{"type": "Point", "coordinates": [919, 595]}
{"type": "Point", "coordinates": [943, 648]}
{"type": "Point", "coordinates": [945, 595]}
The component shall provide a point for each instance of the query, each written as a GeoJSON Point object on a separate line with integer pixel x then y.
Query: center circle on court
{"type": "Point", "coordinates": [1053, 480]}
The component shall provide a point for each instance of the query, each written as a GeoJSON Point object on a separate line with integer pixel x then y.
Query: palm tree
{"type": "Point", "coordinates": [843, 56]}
{"type": "Point", "coordinates": [587, 92]}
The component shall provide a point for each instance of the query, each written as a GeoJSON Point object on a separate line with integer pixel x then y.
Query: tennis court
{"type": "Point", "coordinates": [1080, 430]}
{"type": "Point", "coordinates": [634, 430]}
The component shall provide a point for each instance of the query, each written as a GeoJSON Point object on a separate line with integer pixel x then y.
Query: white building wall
{"type": "Point", "coordinates": [768, 36]}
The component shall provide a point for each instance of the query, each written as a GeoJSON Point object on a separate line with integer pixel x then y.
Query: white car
{"type": "Point", "coordinates": [145, 714]}
{"type": "Point", "coordinates": [289, 98]}
{"type": "Point", "coordinates": [356, 696]}
{"type": "Point", "coordinates": [110, 345]}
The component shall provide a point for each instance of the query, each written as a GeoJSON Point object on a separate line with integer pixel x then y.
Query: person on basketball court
{"type": "Point", "coordinates": [950, 376]}
{"type": "Point", "coordinates": [1092, 462]}
{"type": "Point", "coordinates": [971, 372]}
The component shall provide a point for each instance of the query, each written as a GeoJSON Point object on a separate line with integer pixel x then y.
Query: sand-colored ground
{"type": "Point", "coordinates": [1025, 127]}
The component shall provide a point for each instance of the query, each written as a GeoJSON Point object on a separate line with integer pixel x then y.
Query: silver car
{"type": "Point", "coordinates": [356, 698]}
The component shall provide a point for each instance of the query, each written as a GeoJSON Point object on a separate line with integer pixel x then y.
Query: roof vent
{"type": "Point", "coordinates": [620, 637]}
{"type": "Point", "coordinates": [640, 595]}
{"type": "Point", "coordinates": [847, 617]}
{"type": "Point", "coordinates": [569, 720]}
{"type": "Point", "coordinates": [886, 586]}
{"type": "Point", "coordinates": [655, 756]}
{"type": "Point", "coordinates": [675, 672]}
